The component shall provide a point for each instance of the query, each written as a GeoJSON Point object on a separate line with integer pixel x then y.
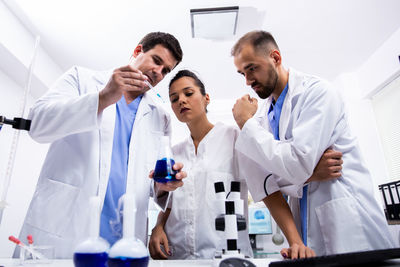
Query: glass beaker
{"type": "Point", "coordinates": [163, 171]}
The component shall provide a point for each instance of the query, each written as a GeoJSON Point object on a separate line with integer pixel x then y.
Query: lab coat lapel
{"type": "Point", "coordinates": [106, 145]}
{"type": "Point", "coordinates": [285, 112]}
{"type": "Point", "coordinates": [293, 89]}
{"type": "Point", "coordinates": [143, 109]}
{"type": "Point", "coordinates": [262, 113]}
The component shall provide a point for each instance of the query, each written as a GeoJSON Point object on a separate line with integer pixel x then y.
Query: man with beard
{"type": "Point", "coordinates": [301, 118]}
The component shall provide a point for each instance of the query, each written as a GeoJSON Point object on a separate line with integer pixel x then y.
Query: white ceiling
{"type": "Point", "coordinates": [322, 37]}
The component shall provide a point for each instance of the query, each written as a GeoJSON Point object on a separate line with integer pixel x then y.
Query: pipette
{"type": "Point", "coordinates": [146, 81]}
{"type": "Point", "coordinates": [30, 242]}
{"type": "Point", "coordinates": [23, 246]}
{"type": "Point", "coordinates": [151, 87]}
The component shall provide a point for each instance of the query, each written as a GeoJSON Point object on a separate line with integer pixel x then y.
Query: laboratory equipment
{"type": "Point", "coordinates": [16, 123]}
{"type": "Point", "coordinates": [231, 221]}
{"type": "Point", "coordinates": [27, 257]}
{"type": "Point", "coordinates": [163, 171]}
{"type": "Point", "coordinates": [277, 238]}
{"type": "Point", "coordinates": [259, 224]}
{"type": "Point", "coordinates": [380, 257]}
{"type": "Point", "coordinates": [220, 196]}
{"type": "Point", "coordinates": [147, 82]}
{"type": "Point", "coordinates": [128, 251]}
{"type": "Point", "coordinates": [236, 262]}
{"type": "Point", "coordinates": [151, 87]}
{"type": "Point", "coordinates": [30, 242]}
{"type": "Point", "coordinates": [94, 250]}
{"type": "Point", "coordinates": [23, 246]}
{"type": "Point", "coordinates": [20, 124]}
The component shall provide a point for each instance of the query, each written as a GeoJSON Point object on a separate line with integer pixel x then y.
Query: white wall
{"type": "Point", "coordinates": [381, 65]}
{"type": "Point", "coordinates": [17, 43]}
{"type": "Point", "coordinates": [16, 50]}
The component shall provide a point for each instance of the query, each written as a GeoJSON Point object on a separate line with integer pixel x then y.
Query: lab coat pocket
{"type": "Point", "coordinates": [53, 206]}
{"type": "Point", "coordinates": [341, 226]}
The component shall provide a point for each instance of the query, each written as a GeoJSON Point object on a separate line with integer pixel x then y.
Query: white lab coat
{"type": "Point", "coordinates": [191, 224]}
{"type": "Point", "coordinates": [77, 164]}
{"type": "Point", "coordinates": [343, 214]}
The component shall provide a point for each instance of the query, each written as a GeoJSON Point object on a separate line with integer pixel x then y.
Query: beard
{"type": "Point", "coordinates": [267, 89]}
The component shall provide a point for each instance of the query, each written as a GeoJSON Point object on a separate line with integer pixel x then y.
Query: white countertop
{"type": "Point", "coordinates": [153, 263]}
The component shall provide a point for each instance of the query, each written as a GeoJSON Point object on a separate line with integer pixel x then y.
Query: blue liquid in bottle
{"type": "Point", "coordinates": [90, 259]}
{"type": "Point", "coordinates": [162, 174]}
{"type": "Point", "coordinates": [128, 262]}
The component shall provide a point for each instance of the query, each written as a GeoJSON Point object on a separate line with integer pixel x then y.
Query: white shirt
{"type": "Point", "coordinates": [191, 224]}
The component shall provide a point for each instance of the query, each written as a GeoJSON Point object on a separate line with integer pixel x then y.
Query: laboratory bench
{"type": "Point", "coordinates": [153, 263]}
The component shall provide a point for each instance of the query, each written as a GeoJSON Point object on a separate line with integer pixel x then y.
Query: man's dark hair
{"type": "Point", "coordinates": [188, 73]}
{"type": "Point", "coordinates": [260, 40]}
{"type": "Point", "coordinates": [165, 39]}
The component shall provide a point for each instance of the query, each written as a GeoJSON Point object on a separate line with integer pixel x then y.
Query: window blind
{"type": "Point", "coordinates": [386, 105]}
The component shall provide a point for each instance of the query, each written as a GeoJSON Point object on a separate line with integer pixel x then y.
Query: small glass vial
{"type": "Point", "coordinates": [163, 171]}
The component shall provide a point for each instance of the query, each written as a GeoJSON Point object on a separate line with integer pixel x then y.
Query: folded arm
{"type": "Point", "coordinates": [295, 159]}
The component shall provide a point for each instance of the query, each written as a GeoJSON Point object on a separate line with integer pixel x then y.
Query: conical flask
{"type": "Point", "coordinates": [93, 251]}
{"type": "Point", "coordinates": [163, 171]}
{"type": "Point", "coordinates": [128, 251]}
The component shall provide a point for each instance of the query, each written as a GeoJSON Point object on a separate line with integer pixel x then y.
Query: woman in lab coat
{"type": "Point", "coordinates": [187, 228]}
{"type": "Point", "coordinates": [191, 215]}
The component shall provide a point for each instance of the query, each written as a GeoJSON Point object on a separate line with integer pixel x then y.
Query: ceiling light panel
{"type": "Point", "coordinates": [214, 23]}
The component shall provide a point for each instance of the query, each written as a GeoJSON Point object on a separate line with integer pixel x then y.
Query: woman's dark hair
{"type": "Point", "coordinates": [165, 39]}
{"type": "Point", "coordinates": [188, 73]}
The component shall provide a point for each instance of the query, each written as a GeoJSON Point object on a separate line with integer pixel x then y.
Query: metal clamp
{"type": "Point", "coordinates": [17, 123]}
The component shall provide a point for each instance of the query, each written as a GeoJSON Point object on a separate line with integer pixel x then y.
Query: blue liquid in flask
{"type": "Point", "coordinates": [161, 173]}
{"type": "Point", "coordinates": [90, 259]}
{"type": "Point", "coordinates": [128, 262]}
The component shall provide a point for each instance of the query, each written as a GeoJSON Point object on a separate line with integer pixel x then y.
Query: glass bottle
{"type": "Point", "coordinates": [128, 251]}
{"type": "Point", "coordinates": [94, 250]}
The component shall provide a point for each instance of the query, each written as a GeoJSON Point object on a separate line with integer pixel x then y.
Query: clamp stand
{"type": "Point", "coordinates": [20, 124]}
{"type": "Point", "coordinates": [17, 123]}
